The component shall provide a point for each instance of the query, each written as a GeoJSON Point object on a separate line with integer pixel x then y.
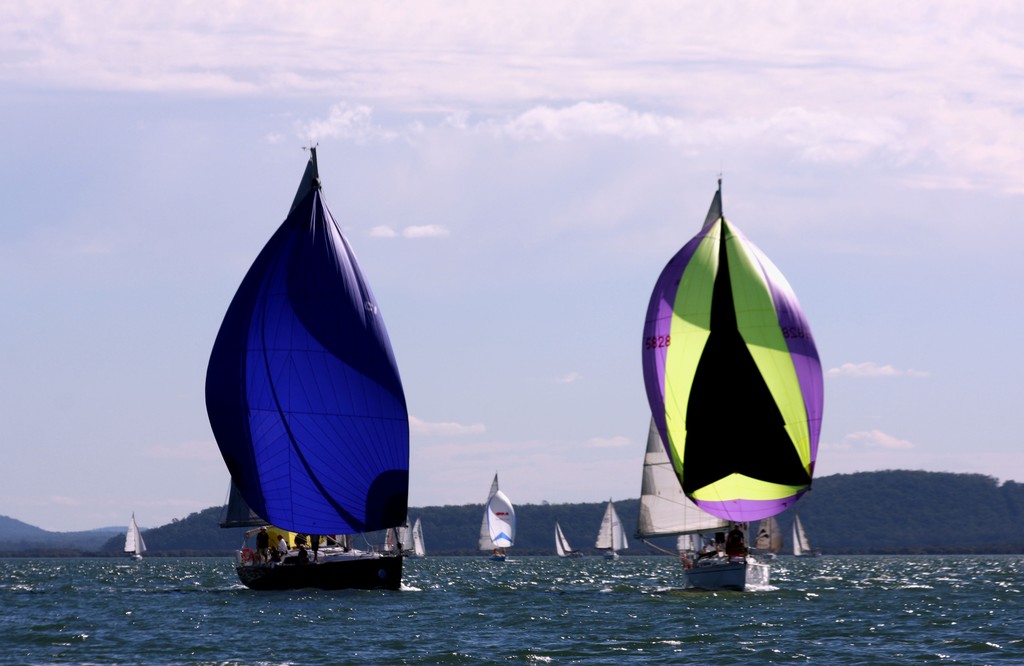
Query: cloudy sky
{"type": "Point", "coordinates": [513, 178]}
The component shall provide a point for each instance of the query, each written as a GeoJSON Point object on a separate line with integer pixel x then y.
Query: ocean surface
{"type": "Point", "coordinates": [829, 610]}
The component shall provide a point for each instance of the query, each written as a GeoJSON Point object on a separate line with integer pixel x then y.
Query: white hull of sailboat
{"type": "Point", "coordinates": [727, 575]}
{"type": "Point", "coordinates": [611, 556]}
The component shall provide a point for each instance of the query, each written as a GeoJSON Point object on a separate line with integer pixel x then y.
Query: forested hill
{"type": "Point", "coordinates": [866, 512]}
{"type": "Point", "coordinates": [913, 512]}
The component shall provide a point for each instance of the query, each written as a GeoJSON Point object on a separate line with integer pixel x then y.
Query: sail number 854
{"type": "Point", "coordinates": [657, 341]}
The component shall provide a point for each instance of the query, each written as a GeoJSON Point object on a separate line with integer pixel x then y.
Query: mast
{"type": "Point", "coordinates": [310, 180]}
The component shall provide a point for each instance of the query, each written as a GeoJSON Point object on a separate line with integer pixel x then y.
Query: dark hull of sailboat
{"type": "Point", "coordinates": [383, 573]}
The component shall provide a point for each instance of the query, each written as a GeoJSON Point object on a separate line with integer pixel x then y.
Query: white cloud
{"type": "Point", "coordinates": [587, 119]}
{"type": "Point", "coordinates": [447, 429]}
{"type": "Point", "coordinates": [425, 231]}
{"type": "Point", "coordinates": [870, 369]}
{"type": "Point", "coordinates": [345, 121]}
{"type": "Point", "coordinates": [413, 232]}
{"type": "Point", "coordinates": [567, 378]}
{"type": "Point", "coordinates": [874, 439]}
{"type": "Point", "coordinates": [383, 232]}
{"type": "Point", "coordinates": [61, 500]}
{"type": "Point", "coordinates": [609, 442]}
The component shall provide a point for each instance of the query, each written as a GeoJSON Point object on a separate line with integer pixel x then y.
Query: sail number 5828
{"type": "Point", "coordinates": [657, 341]}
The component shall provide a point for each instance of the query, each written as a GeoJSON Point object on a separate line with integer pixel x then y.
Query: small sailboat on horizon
{"type": "Point", "coordinates": [419, 548]}
{"type": "Point", "coordinates": [498, 528]}
{"type": "Point", "coordinates": [801, 545]}
{"type": "Point", "coordinates": [134, 545]}
{"type": "Point", "coordinates": [611, 538]}
{"type": "Point", "coordinates": [768, 542]}
{"type": "Point", "coordinates": [562, 547]}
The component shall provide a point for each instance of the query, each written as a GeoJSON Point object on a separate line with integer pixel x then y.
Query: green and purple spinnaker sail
{"type": "Point", "coordinates": [732, 375]}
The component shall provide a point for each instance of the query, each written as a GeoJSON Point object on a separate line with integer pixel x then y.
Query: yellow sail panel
{"type": "Point", "coordinates": [758, 324]}
{"type": "Point", "coordinates": [691, 326]}
{"type": "Point", "coordinates": [741, 487]}
{"type": "Point", "coordinates": [289, 537]}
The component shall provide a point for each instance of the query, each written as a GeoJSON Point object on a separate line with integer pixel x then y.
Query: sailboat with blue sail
{"type": "Point", "coordinates": [306, 404]}
{"type": "Point", "coordinates": [733, 378]}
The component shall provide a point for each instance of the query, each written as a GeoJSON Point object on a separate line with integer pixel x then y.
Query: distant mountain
{"type": "Point", "coordinates": [16, 536]}
{"type": "Point", "coordinates": [866, 512]}
{"type": "Point", "coordinates": [15, 529]}
{"type": "Point", "coordinates": [199, 532]}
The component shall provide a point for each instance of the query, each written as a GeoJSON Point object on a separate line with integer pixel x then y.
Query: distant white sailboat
{"type": "Point", "coordinates": [768, 542]}
{"type": "Point", "coordinates": [133, 543]}
{"type": "Point", "coordinates": [418, 549]}
{"type": "Point", "coordinates": [801, 546]}
{"type": "Point", "coordinates": [562, 546]}
{"type": "Point", "coordinates": [498, 529]}
{"type": "Point", "coordinates": [611, 537]}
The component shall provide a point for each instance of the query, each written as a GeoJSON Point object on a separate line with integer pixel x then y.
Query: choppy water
{"type": "Point", "coordinates": [832, 610]}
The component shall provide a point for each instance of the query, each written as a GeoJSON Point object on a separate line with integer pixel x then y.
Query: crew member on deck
{"type": "Point", "coordinates": [734, 546]}
{"type": "Point", "coordinates": [262, 546]}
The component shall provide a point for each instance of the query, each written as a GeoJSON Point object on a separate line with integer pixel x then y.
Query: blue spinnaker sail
{"type": "Point", "coordinates": [302, 389]}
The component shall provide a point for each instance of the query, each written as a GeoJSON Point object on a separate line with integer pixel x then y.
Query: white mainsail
{"type": "Point", "coordinates": [562, 546]}
{"type": "Point", "coordinates": [769, 536]}
{"type": "Point", "coordinates": [611, 536]}
{"type": "Point", "coordinates": [485, 533]}
{"type": "Point", "coordinates": [418, 549]}
{"type": "Point", "coordinates": [403, 533]}
{"type": "Point", "coordinates": [800, 544]}
{"type": "Point", "coordinates": [133, 543]}
{"type": "Point", "coordinates": [664, 509]}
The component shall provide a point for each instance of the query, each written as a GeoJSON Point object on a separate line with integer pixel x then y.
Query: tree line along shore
{"type": "Point", "coordinates": [887, 512]}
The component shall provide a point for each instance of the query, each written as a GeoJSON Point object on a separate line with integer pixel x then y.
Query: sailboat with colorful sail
{"type": "Point", "coordinates": [134, 545]}
{"type": "Point", "coordinates": [498, 529]}
{"type": "Point", "coordinates": [732, 375]}
{"type": "Point", "coordinates": [700, 537]}
{"type": "Point", "coordinates": [611, 538]}
{"type": "Point", "coordinates": [307, 406]}
{"type": "Point", "coordinates": [562, 547]}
